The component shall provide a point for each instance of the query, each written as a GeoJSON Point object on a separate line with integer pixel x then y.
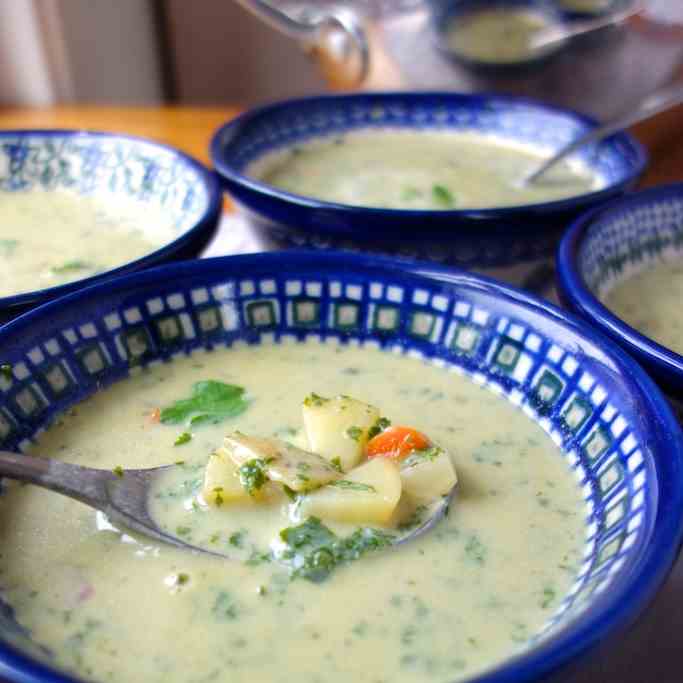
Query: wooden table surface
{"type": "Point", "coordinates": [190, 129]}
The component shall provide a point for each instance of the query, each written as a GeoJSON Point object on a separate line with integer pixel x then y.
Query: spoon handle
{"type": "Point", "coordinates": [86, 484]}
{"type": "Point", "coordinates": [556, 33]}
{"type": "Point", "coordinates": [657, 101]}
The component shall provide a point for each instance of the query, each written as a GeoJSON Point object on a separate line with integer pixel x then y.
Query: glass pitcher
{"type": "Point", "coordinates": [594, 56]}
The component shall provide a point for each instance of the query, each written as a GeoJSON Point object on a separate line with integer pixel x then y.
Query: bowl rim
{"type": "Point", "coordinates": [227, 172]}
{"type": "Point", "coordinates": [443, 17]}
{"type": "Point", "coordinates": [207, 221]}
{"type": "Point", "coordinates": [576, 293]}
{"type": "Point", "coordinates": [612, 609]}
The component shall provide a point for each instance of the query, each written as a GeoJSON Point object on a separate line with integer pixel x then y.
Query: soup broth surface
{"type": "Point", "coordinates": [459, 599]}
{"type": "Point", "coordinates": [419, 170]}
{"type": "Point", "coordinates": [650, 301]}
{"type": "Point", "coordinates": [496, 36]}
{"type": "Point", "coordinates": [51, 238]}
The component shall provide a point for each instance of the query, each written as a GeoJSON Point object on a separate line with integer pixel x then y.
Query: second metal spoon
{"type": "Point", "coordinates": [657, 101]}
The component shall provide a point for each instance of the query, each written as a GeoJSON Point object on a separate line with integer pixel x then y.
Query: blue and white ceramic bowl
{"type": "Point", "coordinates": [501, 241]}
{"type": "Point", "coordinates": [587, 11]}
{"type": "Point", "coordinates": [608, 246]}
{"type": "Point", "coordinates": [112, 167]}
{"type": "Point", "coordinates": [612, 424]}
{"type": "Point", "coordinates": [447, 13]}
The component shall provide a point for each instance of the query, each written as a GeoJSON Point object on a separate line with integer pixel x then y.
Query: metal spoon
{"type": "Point", "coordinates": [658, 101]}
{"type": "Point", "coordinates": [560, 32]}
{"type": "Point", "coordinates": [123, 495]}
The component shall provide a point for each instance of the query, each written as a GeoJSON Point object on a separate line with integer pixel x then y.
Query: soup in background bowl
{"type": "Point", "coordinates": [431, 175]}
{"type": "Point", "coordinates": [566, 520]}
{"type": "Point", "coordinates": [620, 268]}
{"type": "Point", "coordinates": [498, 37]}
{"type": "Point", "coordinates": [79, 206]}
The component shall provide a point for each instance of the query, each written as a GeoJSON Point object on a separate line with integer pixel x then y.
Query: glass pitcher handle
{"type": "Point", "coordinates": [335, 37]}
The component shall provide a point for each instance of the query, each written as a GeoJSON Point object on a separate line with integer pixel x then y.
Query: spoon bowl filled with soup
{"type": "Point", "coordinates": [80, 206]}
{"type": "Point", "coordinates": [433, 175]}
{"type": "Point", "coordinates": [315, 406]}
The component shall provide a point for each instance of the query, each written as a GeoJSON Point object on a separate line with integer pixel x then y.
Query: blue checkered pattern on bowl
{"type": "Point", "coordinates": [579, 401]}
{"type": "Point", "coordinates": [631, 238]}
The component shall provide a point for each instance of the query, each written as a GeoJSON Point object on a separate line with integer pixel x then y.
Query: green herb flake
{"type": "Point", "coordinates": [118, 471]}
{"type": "Point", "coordinates": [353, 486]}
{"type": "Point", "coordinates": [415, 519]}
{"type": "Point", "coordinates": [6, 371]}
{"type": "Point", "coordinates": [315, 551]}
{"type": "Point", "coordinates": [253, 475]}
{"type": "Point", "coordinates": [548, 597]}
{"type": "Point", "coordinates": [257, 557]}
{"type": "Point", "coordinates": [475, 550]}
{"type": "Point", "coordinates": [70, 267]}
{"type": "Point", "coordinates": [409, 193]}
{"type": "Point", "coordinates": [426, 454]}
{"type": "Point", "coordinates": [237, 539]}
{"type": "Point", "coordinates": [183, 531]}
{"type": "Point", "coordinates": [8, 246]}
{"type": "Point", "coordinates": [224, 607]}
{"type": "Point", "coordinates": [379, 426]}
{"type": "Point", "coordinates": [290, 493]}
{"type": "Point", "coordinates": [443, 196]}
{"type": "Point", "coordinates": [313, 400]}
{"type": "Point", "coordinates": [354, 433]}
{"type": "Point", "coordinates": [360, 630]}
{"type": "Point", "coordinates": [185, 437]}
{"type": "Point", "coordinates": [336, 463]}
{"type": "Point", "coordinates": [211, 401]}
{"type": "Point", "coordinates": [311, 533]}
{"type": "Point", "coordinates": [182, 578]}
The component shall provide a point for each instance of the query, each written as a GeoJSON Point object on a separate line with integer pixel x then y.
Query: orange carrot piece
{"type": "Point", "coordinates": [155, 415]}
{"type": "Point", "coordinates": [396, 442]}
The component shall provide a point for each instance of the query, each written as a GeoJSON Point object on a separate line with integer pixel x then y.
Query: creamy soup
{"type": "Point", "coordinates": [496, 36]}
{"type": "Point", "coordinates": [468, 594]}
{"type": "Point", "coordinates": [586, 5]}
{"type": "Point", "coordinates": [651, 303]}
{"type": "Point", "coordinates": [51, 238]}
{"type": "Point", "coordinates": [408, 170]}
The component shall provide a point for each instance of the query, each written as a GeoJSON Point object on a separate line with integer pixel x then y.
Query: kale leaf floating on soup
{"type": "Point", "coordinates": [353, 468]}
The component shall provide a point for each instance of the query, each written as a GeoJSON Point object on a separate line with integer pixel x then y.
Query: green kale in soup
{"type": "Point", "coordinates": [211, 401]}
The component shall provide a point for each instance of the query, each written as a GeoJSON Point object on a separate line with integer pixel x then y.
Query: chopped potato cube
{"type": "Point", "coordinates": [222, 481]}
{"type": "Point", "coordinates": [366, 494]}
{"type": "Point", "coordinates": [282, 462]}
{"type": "Point", "coordinates": [427, 474]}
{"type": "Point", "coordinates": [338, 427]}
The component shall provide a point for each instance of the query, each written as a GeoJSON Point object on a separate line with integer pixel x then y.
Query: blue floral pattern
{"type": "Point", "coordinates": [482, 239]}
{"type": "Point", "coordinates": [88, 164]}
